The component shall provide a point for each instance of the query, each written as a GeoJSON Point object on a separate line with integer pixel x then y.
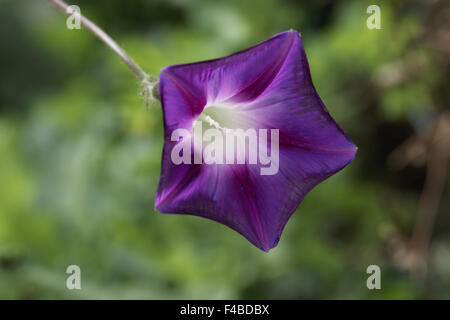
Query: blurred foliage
{"type": "Point", "coordinates": [80, 155]}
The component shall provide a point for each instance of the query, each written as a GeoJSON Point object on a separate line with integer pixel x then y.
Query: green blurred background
{"type": "Point", "coordinates": [80, 156]}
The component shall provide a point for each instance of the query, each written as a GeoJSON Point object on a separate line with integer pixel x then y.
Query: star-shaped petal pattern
{"type": "Point", "coordinates": [265, 87]}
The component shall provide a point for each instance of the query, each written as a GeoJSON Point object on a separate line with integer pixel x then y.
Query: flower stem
{"type": "Point", "coordinates": [148, 84]}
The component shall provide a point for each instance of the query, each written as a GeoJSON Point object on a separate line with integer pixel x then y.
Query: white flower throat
{"type": "Point", "coordinates": [222, 135]}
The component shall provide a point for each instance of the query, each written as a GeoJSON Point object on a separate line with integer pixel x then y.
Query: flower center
{"type": "Point", "coordinates": [214, 117]}
{"type": "Point", "coordinates": [221, 117]}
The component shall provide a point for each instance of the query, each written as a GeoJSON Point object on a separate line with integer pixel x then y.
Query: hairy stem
{"type": "Point", "coordinates": [146, 82]}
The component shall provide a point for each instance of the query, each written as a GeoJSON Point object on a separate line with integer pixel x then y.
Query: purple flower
{"type": "Point", "coordinates": [267, 88]}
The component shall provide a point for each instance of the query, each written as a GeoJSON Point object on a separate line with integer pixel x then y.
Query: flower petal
{"type": "Point", "coordinates": [267, 87]}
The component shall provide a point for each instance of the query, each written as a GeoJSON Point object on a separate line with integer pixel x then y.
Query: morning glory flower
{"type": "Point", "coordinates": [288, 144]}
